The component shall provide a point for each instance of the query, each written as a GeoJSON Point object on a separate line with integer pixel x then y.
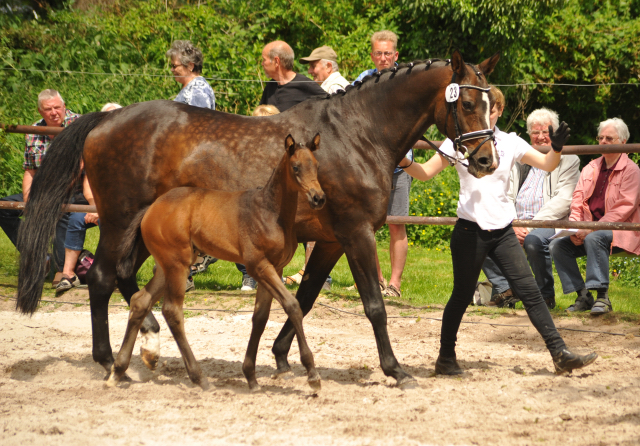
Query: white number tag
{"type": "Point", "coordinates": [452, 93]}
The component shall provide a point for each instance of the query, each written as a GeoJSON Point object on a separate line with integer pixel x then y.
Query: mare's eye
{"type": "Point", "coordinates": [296, 169]}
{"type": "Point", "coordinates": [467, 105]}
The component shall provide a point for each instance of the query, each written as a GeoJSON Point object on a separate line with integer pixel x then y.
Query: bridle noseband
{"type": "Point", "coordinates": [452, 94]}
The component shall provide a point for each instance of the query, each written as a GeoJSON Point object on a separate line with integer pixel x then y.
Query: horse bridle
{"type": "Point", "coordinates": [452, 94]}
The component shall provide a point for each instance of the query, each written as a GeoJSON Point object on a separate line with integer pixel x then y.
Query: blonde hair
{"type": "Point", "coordinates": [498, 97]}
{"type": "Point", "coordinates": [109, 106]}
{"type": "Point", "coordinates": [265, 110]}
{"type": "Point", "coordinates": [385, 36]}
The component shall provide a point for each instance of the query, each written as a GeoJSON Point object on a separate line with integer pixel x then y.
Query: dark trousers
{"type": "Point", "coordinates": [10, 222]}
{"type": "Point", "coordinates": [470, 245]}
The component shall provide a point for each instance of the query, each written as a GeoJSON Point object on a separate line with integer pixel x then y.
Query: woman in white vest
{"type": "Point", "coordinates": [484, 229]}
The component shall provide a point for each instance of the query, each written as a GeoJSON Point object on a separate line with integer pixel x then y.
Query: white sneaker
{"type": "Point", "coordinates": [248, 283]}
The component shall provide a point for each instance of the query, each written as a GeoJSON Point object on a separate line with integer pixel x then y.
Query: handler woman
{"type": "Point", "coordinates": [484, 229]}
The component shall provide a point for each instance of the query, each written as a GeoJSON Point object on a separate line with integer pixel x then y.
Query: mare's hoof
{"type": "Point", "coordinates": [407, 383]}
{"type": "Point", "coordinates": [255, 387]}
{"type": "Point", "coordinates": [124, 378]}
{"type": "Point", "coordinates": [315, 383]}
{"type": "Point", "coordinates": [282, 374]}
{"type": "Point", "coordinates": [204, 384]}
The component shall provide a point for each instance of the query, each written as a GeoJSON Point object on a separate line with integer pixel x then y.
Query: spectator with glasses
{"type": "Point", "coordinates": [536, 195]}
{"type": "Point", "coordinates": [609, 191]}
{"type": "Point", "coordinates": [384, 55]}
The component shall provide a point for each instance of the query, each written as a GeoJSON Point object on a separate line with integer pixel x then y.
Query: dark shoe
{"type": "Point", "coordinates": [503, 300]}
{"type": "Point", "coordinates": [190, 285]}
{"type": "Point", "coordinates": [584, 302]}
{"type": "Point", "coordinates": [66, 284]}
{"type": "Point", "coordinates": [447, 366]}
{"type": "Point", "coordinates": [602, 305]}
{"type": "Point", "coordinates": [565, 361]}
{"type": "Point", "coordinates": [327, 284]}
{"type": "Point", "coordinates": [202, 263]}
{"type": "Point", "coordinates": [248, 283]}
{"type": "Point", "coordinates": [551, 302]}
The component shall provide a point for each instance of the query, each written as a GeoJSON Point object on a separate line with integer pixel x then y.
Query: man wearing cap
{"type": "Point", "coordinates": [286, 88]}
{"type": "Point", "coordinates": [323, 66]}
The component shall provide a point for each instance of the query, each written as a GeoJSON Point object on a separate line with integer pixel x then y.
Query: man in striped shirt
{"type": "Point", "coordinates": [537, 195]}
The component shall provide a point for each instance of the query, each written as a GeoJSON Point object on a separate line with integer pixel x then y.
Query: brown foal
{"type": "Point", "coordinates": [253, 227]}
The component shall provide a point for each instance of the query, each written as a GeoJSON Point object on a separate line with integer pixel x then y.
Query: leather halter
{"type": "Point", "coordinates": [462, 137]}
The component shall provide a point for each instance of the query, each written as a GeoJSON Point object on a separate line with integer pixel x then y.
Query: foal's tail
{"type": "Point", "coordinates": [129, 245]}
{"type": "Point", "coordinates": [52, 188]}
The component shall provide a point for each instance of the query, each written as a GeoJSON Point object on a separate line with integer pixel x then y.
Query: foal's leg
{"type": "Point", "coordinates": [259, 320]}
{"type": "Point", "coordinates": [270, 279]}
{"type": "Point", "coordinates": [141, 304]}
{"type": "Point", "coordinates": [322, 260]}
{"type": "Point", "coordinates": [174, 315]}
{"type": "Point", "coordinates": [150, 329]}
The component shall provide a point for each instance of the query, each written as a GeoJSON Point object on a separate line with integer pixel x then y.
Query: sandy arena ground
{"type": "Point", "coordinates": [51, 391]}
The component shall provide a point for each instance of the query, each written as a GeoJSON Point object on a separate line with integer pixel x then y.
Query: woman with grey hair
{"type": "Point", "coordinates": [186, 66]}
{"type": "Point", "coordinates": [609, 191]}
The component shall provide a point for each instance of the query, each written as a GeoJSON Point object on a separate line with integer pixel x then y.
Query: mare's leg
{"type": "Point", "coordinates": [269, 278]}
{"type": "Point", "coordinates": [174, 315]}
{"type": "Point", "coordinates": [150, 329]}
{"type": "Point", "coordinates": [322, 260]}
{"type": "Point", "coordinates": [141, 304]}
{"type": "Point", "coordinates": [101, 280]}
{"type": "Point", "coordinates": [259, 321]}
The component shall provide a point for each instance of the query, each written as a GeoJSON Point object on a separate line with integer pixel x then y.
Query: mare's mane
{"type": "Point", "coordinates": [395, 70]}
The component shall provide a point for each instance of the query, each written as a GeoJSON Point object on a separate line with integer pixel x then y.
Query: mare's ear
{"type": "Point", "coordinates": [488, 65]}
{"type": "Point", "coordinates": [457, 64]}
{"type": "Point", "coordinates": [315, 144]}
{"type": "Point", "coordinates": [290, 145]}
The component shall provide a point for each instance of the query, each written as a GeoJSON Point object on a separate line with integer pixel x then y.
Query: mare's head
{"type": "Point", "coordinates": [303, 169]}
{"type": "Point", "coordinates": [465, 117]}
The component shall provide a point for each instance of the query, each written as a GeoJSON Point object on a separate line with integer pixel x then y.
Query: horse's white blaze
{"type": "Point", "coordinates": [494, 153]}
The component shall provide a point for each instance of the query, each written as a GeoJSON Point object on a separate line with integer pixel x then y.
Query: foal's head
{"type": "Point", "coordinates": [303, 169]}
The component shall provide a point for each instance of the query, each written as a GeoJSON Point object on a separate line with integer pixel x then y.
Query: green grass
{"type": "Point", "coordinates": [427, 278]}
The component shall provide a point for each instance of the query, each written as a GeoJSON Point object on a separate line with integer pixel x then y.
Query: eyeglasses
{"type": "Point", "coordinates": [174, 66]}
{"type": "Point", "coordinates": [602, 138]}
{"type": "Point", "coordinates": [380, 53]}
{"type": "Point", "coordinates": [538, 133]}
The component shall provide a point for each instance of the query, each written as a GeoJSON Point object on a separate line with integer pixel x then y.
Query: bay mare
{"type": "Point", "coordinates": [135, 154]}
{"type": "Point", "coordinates": [253, 226]}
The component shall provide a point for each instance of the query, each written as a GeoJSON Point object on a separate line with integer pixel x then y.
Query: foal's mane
{"type": "Point", "coordinates": [407, 68]}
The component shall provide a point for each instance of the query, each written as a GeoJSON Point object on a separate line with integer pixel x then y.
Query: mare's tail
{"type": "Point", "coordinates": [129, 245]}
{"type": "Point", "coordinates": [52, 187]}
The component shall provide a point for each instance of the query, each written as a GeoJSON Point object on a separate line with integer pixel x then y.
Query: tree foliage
{"type": "Point", "coordinates": [120, 47]}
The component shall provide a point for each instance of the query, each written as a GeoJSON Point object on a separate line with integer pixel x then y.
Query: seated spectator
{"type": "Point", "coordinates": [79, 222]}
{"type": "Point", "coordinates": [536, 195]}
{"type": "Point", "coordinates": [323, 66]}
{"type": "Point", "coordinates": [54, 113]}
{"type": "Point", "coordinates": [609, 191]}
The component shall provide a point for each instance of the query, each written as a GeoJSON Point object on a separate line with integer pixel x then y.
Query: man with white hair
{"type": "Point", "coordinates": [286, 88]}
{"type": "Point", "coordinates": [608, 191]}
{"type": "Point", "coordinates": [54, 113]}
{"type": "Point", "coordinates": [537, 195]}
{"type": "Point", "coordinates": [323, 66]}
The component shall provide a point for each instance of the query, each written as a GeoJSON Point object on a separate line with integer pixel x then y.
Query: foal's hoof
{"type": "Point", "coordinates": [254, 387]}
{"type": "Point", "coordinates": [204, 384]}
{"type": "Point", "coordinates": [124, 378]}
{"type": "Point", "coordinates": [150, 349]}
{"type": "Point", "coordinates": [407, 383]}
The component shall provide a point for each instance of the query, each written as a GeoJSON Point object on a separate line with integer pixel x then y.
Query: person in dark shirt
{"type": "Point", "coordinates": [286, 87]}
